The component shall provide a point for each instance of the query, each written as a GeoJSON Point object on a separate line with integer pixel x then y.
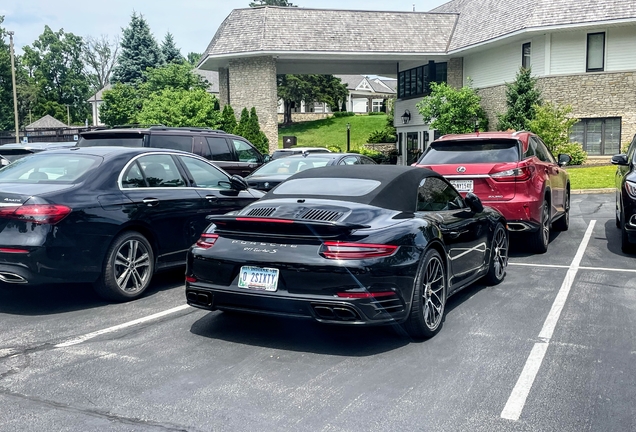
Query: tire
{"type": "Point", "coordinates": [618, 217]}
{"type": "Point", "coordinates": [540, 238]}
{"type": "Point", "coordinates": [498, 256]}
{"type": "Point", "coordinates": [128, 268]}
{"type": "Point", "coordinates": [431, 289]}
{"type": "Point", "coordinates": [563, 223]}
{"type": "Point", "coordinates": [626, 246]}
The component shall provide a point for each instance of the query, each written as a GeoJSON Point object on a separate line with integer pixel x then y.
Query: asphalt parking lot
{"type": "Point", "coordinates": [552, 348]}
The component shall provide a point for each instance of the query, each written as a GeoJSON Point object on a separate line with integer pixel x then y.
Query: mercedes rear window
{"type": "Point", "coordinates": [111, 140]}
{"type": "Point", "coordinates": [471, 151]}
{"type": "Point", "coordinates": [327, 187]}
{"type": "Point", "coordinates": [49, 167]}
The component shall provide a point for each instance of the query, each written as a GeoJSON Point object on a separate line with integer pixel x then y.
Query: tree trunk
{"type": "Point", "coordinates": [287, 112]}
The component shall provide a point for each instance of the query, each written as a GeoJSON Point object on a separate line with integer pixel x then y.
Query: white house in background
{"type": "Point", "coordinates": [366, 94]}
{"type": "Point", "coordinates": [97, 99]}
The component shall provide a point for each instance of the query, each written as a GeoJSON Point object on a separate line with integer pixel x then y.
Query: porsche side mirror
{"type": "Point", "coordinates": [620, 159]}
{"type": "Point", "coordinates": [564, 159]}
{"type": "Point", "coordinates": [474, 203]}
{"type": "Point", "coordinates": [238, 183]}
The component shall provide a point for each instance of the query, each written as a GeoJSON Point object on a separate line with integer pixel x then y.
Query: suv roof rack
{"type": "Point", "coordinates": [520, 132]}
{"type": "Point", "coordinates": [135, 125]}
{"type": "Point", "coordinates": [191, 129]}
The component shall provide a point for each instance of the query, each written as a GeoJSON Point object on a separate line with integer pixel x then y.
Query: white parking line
{"type": "Point", "coordinates": [84, 338]}
{"type": "Point", "coordinates": [622, 270]}
{"type": "Point", "coordinates": [520, 392]}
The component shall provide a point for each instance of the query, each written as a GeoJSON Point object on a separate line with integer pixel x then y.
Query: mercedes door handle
{"type": "Point", "coordinates": [150, 202]}
{"type": "Point", "coordinates": [212, 198]}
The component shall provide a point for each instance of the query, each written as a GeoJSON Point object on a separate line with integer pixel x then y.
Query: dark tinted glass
{"type": "Point", "coordinates": [111, 140]}
{"type": "Point", "coordinates": [48, 167]}
{"type": "Point", "coordinates": [173, 142]}
{"type": "Point", "coordinates": [219, 149]}
{"type": "Point", "coordinates": [327, 187]}
{"type": "Point", "coordinates": [437, 195]}
{"type": "Point", "coordinates": [478, 151]}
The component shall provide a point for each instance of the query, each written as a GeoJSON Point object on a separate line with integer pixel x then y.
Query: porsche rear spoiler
{"type": "Point", "coordinates": [282, 227]}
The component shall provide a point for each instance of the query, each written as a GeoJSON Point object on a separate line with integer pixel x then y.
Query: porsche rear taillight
{"type": "Point", "coordinates": [206, 241]}
{"type": "Point", "coordinates": [355, 251]}
{"type": "Point", "coordinates": [36, 213]}
{"type": "Point", "coordinates": [520, 173]}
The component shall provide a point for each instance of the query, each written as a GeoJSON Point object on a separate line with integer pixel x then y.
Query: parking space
{"type": "Point", "coordinates": [194, 370]}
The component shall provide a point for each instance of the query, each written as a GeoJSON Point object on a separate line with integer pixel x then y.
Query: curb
{"type": "Point", "coordinates": [593, 191]}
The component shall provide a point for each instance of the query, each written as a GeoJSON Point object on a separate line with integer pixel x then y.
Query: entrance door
{"type": "Point", "coordinates": [412, 148]}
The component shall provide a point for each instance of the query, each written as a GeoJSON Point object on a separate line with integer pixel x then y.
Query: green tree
{"type": "Point", "coordinates": [99, 56]}
{"type": "Point", "coordinates": [242, 128]}
{"type": "Point", "coordinates": [193, 58]}
{"type": "Point", "coordinates": [294, 89]}
{"type": "Point", "coordinates": [451, 110]}
{"type": "Point", "coordinates": [522, 96]}
{"type": "Point", "coordinates": [553, 123]}
{"type": "Point", "coordinates": [228, 119]}
{"type": "Point", "coordinates": [173, 75]}
{"type": "Point", "coordinates": [139, 51]}
{"type": "Point", "coordinates": [55, 65]}
{"type": "Point", "coordinates": [121, 105]}
{"type": "Point", "coordinates": [254, 133]}
{"type": "Point", "coordinates": [178, 107]}
{"type": "Point", "coordinates": [7, 121]}
{"type": "Point", "coordinates": [171, 54]}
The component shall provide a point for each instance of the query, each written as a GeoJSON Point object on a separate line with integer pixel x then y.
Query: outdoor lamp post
{"type": "Point", "coordinates": [15, 95]}
{"type": "Point", "coordinates": [476, 121]}
{"type": "Point", "coordinates": [348, 136]}
{"type": "Point", "coordinates": [406, 117]}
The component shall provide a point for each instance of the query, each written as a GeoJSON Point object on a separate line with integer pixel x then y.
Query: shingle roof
{"type": "Point", "coordinates": [46, 122]}
{"type": "Point", "coordinates": [483, 20]}
{"type": "Point", "coordinates": [271, 29]}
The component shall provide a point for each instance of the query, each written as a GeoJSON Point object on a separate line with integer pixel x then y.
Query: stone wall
{"type": "Point", "coordinates": [455, 72]}
{"type": "Point", "coordinates": [252, 83]}
{"type": "Point", "coordinates": [302, 117]}
{"type": "Point", "coordinates": [224, 87]}
{"type": "Point", "coordinates": [601, 94]}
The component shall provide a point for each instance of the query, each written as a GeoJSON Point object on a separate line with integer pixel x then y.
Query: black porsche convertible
{"type": "Point", "coordinates": [360, 244]}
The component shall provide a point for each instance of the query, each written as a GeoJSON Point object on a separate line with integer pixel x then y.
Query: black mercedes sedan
{"type": "Point", "coordinates": [357, 245]}
{"type": "Point", "coordinates": [278, 170]}
{"type": "Point", "coordinates": [107, 215]}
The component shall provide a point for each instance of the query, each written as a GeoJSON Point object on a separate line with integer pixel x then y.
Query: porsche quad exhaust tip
{"type": "Point", "coordinates": [13, 278]}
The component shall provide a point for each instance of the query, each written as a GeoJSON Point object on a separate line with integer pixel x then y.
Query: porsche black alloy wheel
{"type": "Point", "coordinates": [429, 298]}
{"type": "Point", "coordinates": [498, 256]}
{"type": "Point", "coordinates": [128, 268]}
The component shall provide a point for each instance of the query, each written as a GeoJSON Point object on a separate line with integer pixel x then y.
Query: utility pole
{"type": "Point", "coordinates": [68, 115]}
{"type": "Point", "coordinates": [15, 94]}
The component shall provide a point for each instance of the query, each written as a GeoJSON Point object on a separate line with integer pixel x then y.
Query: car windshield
{"type": "Point", "coordinates": [112, 140]}
{"type": "Point", "coordinates": [48, 167]}
{"type": "Point", "coordinates": [327, 187]}
{"type": "Point", "coordinates": [291, 165]}
{"type": "Point", "coordinates": [466, 151]}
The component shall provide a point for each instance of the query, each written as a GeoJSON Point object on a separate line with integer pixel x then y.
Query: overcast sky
{"type": "Point", "coordinates": [192, 22]}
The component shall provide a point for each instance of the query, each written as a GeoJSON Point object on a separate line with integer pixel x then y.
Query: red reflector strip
{"type": "Point", "coordinates": [191, 279]}
{"type": "Point", "coordinates": [269, 220]}
{"type": "Point", "coordinates": [206, 241]}
{"type": "Point", "coordinates": [365, 294]}
{"type": "Point", "coordinates": [12, 250]}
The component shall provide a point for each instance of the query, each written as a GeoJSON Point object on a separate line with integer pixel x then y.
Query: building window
{"type": "Point", "coordinates": [595, 52]}
{"type": "Point", "coordinates": [526, 51]}
{"type": "Point", "coordinates": [415, 82]}
{"type": "Point", "coordinates": [598, 136]}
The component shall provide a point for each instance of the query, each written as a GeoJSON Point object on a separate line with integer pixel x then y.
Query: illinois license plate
{"type": "Point", "coordinates": [258, 278]}
{"type": "Point", "coordinates": [462, 185]}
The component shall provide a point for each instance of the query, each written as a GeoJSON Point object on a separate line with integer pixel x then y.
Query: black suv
{"type": "Point", "coordinates": [626, 197]}
{"type": "Point", "coordinates": [232, 153]}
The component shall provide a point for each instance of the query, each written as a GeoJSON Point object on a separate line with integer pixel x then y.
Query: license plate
{"type": "Point", "coordinates": [258, 278]}
{"type": "Point", "coordinates": [462, 185]}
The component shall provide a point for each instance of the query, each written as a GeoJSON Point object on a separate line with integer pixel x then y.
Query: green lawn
{"type": "Point", "coordinates": [592, 177]}
{"type": "Point", "coordinates": [333, 131]}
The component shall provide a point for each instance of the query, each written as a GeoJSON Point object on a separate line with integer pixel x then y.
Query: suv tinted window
{"type": "Point", "coordinates": [246, 153]}
{"type": "Point", "coordinates": [112, 140]}
{"type": "Point", "coordinates": [542, 151]}
{"type": "Point", "coordinates": [469, 151]}
{"type": "Point", "coordinates": [220, 150]}
{"type": "Point", "coordinates": [173, 142]}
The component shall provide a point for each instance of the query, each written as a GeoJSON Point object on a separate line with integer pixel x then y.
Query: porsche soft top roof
{"type": "Point", "coordinates": [397, 189]}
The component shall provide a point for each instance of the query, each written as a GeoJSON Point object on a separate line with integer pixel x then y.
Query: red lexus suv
{"type": "Point", "coordinates": [513, 172]}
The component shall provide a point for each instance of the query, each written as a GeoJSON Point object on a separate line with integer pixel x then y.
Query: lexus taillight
{"type": "Point", "coordinates": [519, 173]}
{"type": "Point", "coordinates": [36, 213]}
{"type": "Point", "coordinates": [350, 251]}
{"type": "Point", "coordinates": [206, 241]}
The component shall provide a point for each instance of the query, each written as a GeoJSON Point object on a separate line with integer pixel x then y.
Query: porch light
{"type": "Point", "coordinates": [406, 117]}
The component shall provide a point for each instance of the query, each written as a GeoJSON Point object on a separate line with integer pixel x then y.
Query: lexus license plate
{"type": "Point", "coordinates": [258, 278]}
{"type": "Point", "coordinates": [462, 185]}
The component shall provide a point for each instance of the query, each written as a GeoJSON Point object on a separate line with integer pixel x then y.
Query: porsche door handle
{"type": "Point", "coordinates": [150, 202]}
{"type": "Point", "coordinates": [212, 198]}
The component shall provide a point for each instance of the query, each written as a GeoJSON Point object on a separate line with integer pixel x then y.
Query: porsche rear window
{"type": "Point", "coordinates": [327, 187]}
{"type": "Point", "coordinates": [466, 151]}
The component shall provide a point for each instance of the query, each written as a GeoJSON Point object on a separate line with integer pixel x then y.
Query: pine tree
{"type": "Point", "coordinates": [254, 133]}
{"type": "Point", "coordinates": [522, 96]}
{"type": "Point", "coordinates": [171, 54]}
{"type": "Point", "coordinates": [228, 119]}
{"type": "Point", "coordinates": [139, 51]}
{"type": "Point", "coordinates": [242, 127]}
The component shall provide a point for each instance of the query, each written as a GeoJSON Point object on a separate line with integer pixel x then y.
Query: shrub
{"type": "Point", "coordinates": [552, 123]}
{"type": "Point", "coordinates": [575, 150]}
{"type": "Point", "coordinates": [376, 113]}
{"type": "Point", "coordinates": [382, 136]}
{"type": "Point", "coordinates": [625, 146]}
{"type": "Point", "coordinates": [334, 148]}
{"type": "Point", "coordinates": [343, 114]}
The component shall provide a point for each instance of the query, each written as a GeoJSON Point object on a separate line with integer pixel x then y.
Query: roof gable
{"type": "Point", "coordinates": [46, 122]}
